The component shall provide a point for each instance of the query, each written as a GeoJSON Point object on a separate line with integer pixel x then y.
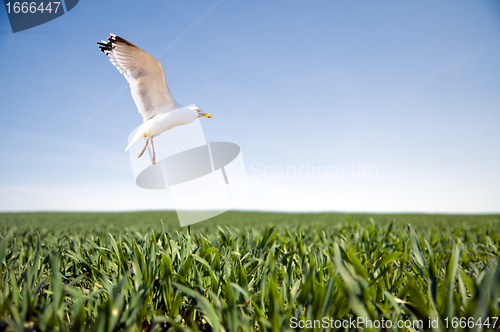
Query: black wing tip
{"type": "Point", "coordinates": [113, 40]}
{"type": "Point", "coordinates": [117, 39]}
{"type": "Point", "coordinates": [107, 47]}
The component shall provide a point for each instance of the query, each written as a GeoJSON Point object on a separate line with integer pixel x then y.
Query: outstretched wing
{"type": "Point", "coordinates": [144, 74]}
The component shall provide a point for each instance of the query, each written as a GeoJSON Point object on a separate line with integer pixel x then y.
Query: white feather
{"type": "Point", "coordinates": [144, 74]}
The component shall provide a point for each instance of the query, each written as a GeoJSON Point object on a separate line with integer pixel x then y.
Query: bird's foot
{"type": "Point", "coordinates": [154, 153]}
{"type": "Point", "coordinates": [143, 149]}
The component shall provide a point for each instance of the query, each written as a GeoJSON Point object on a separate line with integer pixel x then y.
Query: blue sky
{"type": "Point", "coordinates": [369, 106]}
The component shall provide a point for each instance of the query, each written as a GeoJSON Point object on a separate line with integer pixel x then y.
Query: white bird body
{"type": "Point", "coordinates": [163, 122]}
{"type": "Point", "coordinates": [145, 75]}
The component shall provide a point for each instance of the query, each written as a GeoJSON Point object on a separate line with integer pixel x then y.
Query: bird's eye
{"type": "Point", "coordinates": [197, 110]}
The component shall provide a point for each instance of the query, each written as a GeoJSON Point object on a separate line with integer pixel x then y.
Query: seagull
{"type": "Point", "coordinates": [150, 92]}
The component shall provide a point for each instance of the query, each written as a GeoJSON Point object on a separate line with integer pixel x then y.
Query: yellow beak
{"type": "Point", "coordinates": [206, 114]}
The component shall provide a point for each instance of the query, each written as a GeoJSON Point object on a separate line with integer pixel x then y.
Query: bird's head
{"type": "Point", "coordinates": [200, 113]}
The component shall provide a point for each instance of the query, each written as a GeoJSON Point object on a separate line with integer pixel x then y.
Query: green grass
{"type": "Point", "coordinates": [245, 271]}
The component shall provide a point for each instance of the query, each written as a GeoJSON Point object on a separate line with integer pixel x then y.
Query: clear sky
{"type": "Point", "coordinates": [365, 105]}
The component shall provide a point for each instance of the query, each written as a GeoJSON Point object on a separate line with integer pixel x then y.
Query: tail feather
{"type": "Point", "coordinates": [140, 133]}
{"type": "Point", "coordinates": [131, 143]}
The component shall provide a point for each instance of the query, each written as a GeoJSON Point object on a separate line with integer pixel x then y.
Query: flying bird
{"type": "Point", "coordinates": [150, 91]}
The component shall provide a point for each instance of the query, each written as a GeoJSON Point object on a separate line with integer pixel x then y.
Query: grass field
{"type": "Point", "coordinates": [248, 272]}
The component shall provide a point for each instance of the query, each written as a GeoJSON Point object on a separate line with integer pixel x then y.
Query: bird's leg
{"type": "Point", "coordinates": [154, 154]}
{"type": "Point", "coordinates": [143, 149]}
